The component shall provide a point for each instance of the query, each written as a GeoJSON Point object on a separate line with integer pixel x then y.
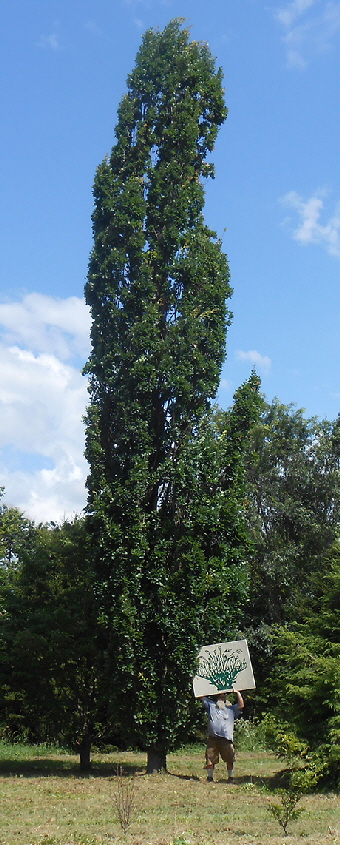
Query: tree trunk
{"type": "Point", "coordinates": [156, 761]}
{"type": "Point", "coordinates": [85, 753]}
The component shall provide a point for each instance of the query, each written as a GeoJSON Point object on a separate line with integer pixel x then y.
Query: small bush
{"type": "Point", "coordinates": [286, 812]}
{"type": "Point", "coordinates": [249, 736]}
{"type": "Point", "coordinates": [124, 798]}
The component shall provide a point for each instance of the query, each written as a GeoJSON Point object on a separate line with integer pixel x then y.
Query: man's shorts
{"type": "Point", "coordinates": [216, 746]}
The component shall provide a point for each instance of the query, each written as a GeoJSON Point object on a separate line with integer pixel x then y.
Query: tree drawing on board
{"type": "Point", "coordinates": [221, 666]}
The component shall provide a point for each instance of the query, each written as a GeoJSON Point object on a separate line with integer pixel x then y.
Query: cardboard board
{"type": "Point", "coordinates": [223, 667]}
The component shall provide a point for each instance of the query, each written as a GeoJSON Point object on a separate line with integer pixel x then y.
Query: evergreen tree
{"type": "Point", "coordinates": [49, 655]}
{"type": "Point", "coordinates": [157, 287]}
{"type": "Point", "coordinates": [305, 687]}
{"type": "Point", "coordinates": [15, 533]}
{"type": "Point", "coordinates": [294, 506]}
{"type": "Point", "coordinates": [293, 494]}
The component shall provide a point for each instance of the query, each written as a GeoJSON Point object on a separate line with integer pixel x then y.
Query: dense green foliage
{"type": "Point", "coordinates": [158, 280]}
{"type": "Point", "coordinates": [293, 502]}
{"type": "Point", "coordinates": [294, 499]}
{"type": "Point", "coordinates": [307, 677]}
{"type": "Point", "coordinates": [50, 664]}
{"type": "Point", "coordinates": [15, 534]}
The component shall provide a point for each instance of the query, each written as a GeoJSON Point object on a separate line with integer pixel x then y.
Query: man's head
{"type": "Point", "coordinates": [220, 696]}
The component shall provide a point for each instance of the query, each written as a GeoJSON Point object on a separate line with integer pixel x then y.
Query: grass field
{"type": "Point", "coordinates": [44, 800]}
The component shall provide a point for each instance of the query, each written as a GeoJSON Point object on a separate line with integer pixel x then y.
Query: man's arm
{"type": "Point", "coordinates": [240, 701]}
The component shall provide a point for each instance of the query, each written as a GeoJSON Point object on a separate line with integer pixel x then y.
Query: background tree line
{"type": "Point", "coordinates": [282, 595]}
{"type": "Point", "coordinates": [201, 525]}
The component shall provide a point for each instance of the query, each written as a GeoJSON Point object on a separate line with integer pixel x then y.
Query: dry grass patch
{"type": "Point", "coordinates": [45, 801]}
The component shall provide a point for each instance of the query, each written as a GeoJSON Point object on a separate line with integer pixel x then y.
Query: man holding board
{"type": "Point", "coordinates": [222, 668]}
{"type": "Point", "coordinates": [221, 716]}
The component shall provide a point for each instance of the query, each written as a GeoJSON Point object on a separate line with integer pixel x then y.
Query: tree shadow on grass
{"type": "Point", "coordinates": [278, 780]}
{"type": "Point", "coordinates": [63, 766]}
{"type": "Point", "coordinates": [183, 777]}
{"type": "Point", "coordinates": [37, 767]}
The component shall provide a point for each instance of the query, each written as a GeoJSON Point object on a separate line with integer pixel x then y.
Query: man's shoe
{"type": "Point", "coordinates": [231, 780]}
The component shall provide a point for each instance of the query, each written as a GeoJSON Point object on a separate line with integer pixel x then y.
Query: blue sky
{"type": "Point", "coordinates": [275, 201]}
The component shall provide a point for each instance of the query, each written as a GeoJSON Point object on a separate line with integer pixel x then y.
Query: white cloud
{"type": "Point", "coordinates": [293, 10]}
{"type": "Point", "coordinates": [255, 358]}
{"type": "Point", "coordinates": [310, 28]}
{"type": "Point", "coordinates": [311, 230]}
{"type": "Point", "coordinates": [42, 400]}
{"type": "Point", "coordinates": [41, 323]}
{"type": "Point", "coordinates": [49, 42]}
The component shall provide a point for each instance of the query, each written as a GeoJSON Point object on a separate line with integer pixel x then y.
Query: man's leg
{"type": "Point", "coordinates": [211, 757]}
{"type": "Point", "coordinates": [227, 753]}
{"type": "Point", "coordinates": [210, 775]}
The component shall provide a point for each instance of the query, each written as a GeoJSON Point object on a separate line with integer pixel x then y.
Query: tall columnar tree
{"type": "Point", "coordinates": [157, 286]}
